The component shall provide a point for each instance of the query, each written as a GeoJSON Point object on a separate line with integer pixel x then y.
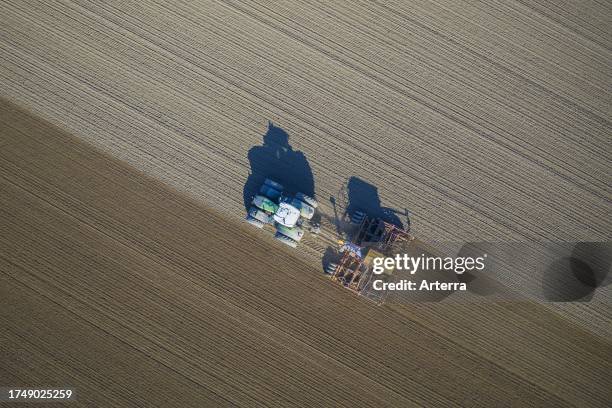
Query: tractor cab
{"type": "Point", "coordinates": [287, 214]}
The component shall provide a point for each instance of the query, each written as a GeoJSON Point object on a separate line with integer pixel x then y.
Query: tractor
{"type": "Point", "coordinates": [290, 215]}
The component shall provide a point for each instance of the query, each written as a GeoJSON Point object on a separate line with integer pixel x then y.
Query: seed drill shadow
{"type": "Point", "coordinates": [363, 196]}
{"type": "Point", "coordinates": [359, 195]}
{"type": "Point", "coordinates": [276, 159]}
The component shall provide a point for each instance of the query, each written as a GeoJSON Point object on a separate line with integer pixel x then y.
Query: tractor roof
{"type": "Point", "coordinates": [287, 214]}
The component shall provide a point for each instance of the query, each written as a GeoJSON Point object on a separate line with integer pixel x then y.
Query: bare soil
{"type": "Point", "coordinates": [137, 295]}
{"type": "Point", "coordinates": [133, 132]}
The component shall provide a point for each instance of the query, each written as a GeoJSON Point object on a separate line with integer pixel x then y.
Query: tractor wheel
{"type": "Point", "coordinates": [254, 221]}
{"type": "Point", "coordinates": [286, 240]}
{"type": "Point", "coordinates": [307, 199]}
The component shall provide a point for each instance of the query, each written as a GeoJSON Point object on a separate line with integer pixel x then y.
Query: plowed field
{"type": "Point", "coordinates": [132, 132]}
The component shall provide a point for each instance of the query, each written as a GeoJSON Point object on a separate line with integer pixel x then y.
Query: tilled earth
{"type": "Point", "coordinates": [138, 295]}
{"type": "Point", "coordinates": [132, 133]}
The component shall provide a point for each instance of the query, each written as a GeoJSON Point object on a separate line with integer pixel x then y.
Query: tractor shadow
{"type": "Point", "coordinates": [277, 160]}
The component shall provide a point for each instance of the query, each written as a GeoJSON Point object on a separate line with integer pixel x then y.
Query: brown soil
{"type": "Point", "coordinates": [138, 296]}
